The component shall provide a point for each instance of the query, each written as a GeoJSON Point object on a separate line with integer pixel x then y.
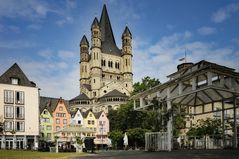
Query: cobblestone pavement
{"type": "Point", "coordinates": [177, 154]}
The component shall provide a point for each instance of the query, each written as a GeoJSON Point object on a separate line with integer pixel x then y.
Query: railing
{"type": "Point", "coordinates": [208, 142]}
{"type": "Point", "coordinates": [156, 141]}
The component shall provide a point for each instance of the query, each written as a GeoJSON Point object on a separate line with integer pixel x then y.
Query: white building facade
{"type": "Point", "coordinates": [19, 110]}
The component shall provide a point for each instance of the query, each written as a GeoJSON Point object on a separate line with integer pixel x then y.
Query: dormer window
{"type": "Point", "coordinates": [15, 81]}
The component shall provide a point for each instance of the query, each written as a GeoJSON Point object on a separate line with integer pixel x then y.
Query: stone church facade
{"type": "Point", "coordinates": [106, 76]}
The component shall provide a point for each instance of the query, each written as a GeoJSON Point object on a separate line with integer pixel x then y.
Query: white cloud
{"type": "Point", "coordinates": [71, 4]}
{"type": "Point", "coordinates": [65, 20]}
{"type": "Point", "coordinates": [206, 30]}
{"type": "Point", "coordinates": [16, 44]}
{"type": "Point", "coordinates": [56, 79]}
{"type": "Point", "coordinates": [46, 53]}
{"type": "Point", "coordinates": [27, 9]}
{"type": "Point", "coordinates": [224, 13]}
{"type": "Point", "coordinates": [34, 26]}
{"type": "Point", "coordinates": [161, 59]}
{"type": "Point", "coordinates": [63, 54]}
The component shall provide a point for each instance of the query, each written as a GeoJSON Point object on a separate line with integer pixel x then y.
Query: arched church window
{"type": "Point", "coordinates": [108, 63]}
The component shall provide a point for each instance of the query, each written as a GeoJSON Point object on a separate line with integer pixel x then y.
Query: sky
{"type": "Point", "coordinates": [42, 36]}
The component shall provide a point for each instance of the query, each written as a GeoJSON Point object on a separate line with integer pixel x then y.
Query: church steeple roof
{"type": "Point", "coordinates": [107, 36]}
{"type": "Point", "coordinates": [126, 32]}
{"type": "Point", "coordinates": [95, 22]}
{"type": "Point", "coordinates": [84, 41]}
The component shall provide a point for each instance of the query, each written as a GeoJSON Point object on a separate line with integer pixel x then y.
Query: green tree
{"type": "Point", "coordinates": [126, 117]}
{"type": "Point", "coordinates": [211, 127]}
{"type": "Point", "coordinates": [116, 136]}
{"type": "Point", "coordinates": [178, 124]}
{"type": "Point", "coordinates": [137, 136]}
{"type": "Point", "coordinates": [145, 84]}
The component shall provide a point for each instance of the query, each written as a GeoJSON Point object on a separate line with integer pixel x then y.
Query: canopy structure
{"type": "Point", "coordinates": [195, 86]}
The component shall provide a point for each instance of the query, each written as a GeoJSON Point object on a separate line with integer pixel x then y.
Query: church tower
{"type": "Point", "coordinates": [84, 59]}
{"type": "Point", "coordinates": [106, 76]}
{"type": "Point", "coordinates": [127, 58]}
{"type": "Point", "coordinates": [96, 71]}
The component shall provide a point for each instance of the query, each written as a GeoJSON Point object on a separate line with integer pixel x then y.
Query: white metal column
{"type": "Point", "coordinates": [169, 123]}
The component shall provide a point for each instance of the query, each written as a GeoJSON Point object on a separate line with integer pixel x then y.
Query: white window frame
{"type": "Point", "coordinates": [7, 114]}
{"type": "Point", "coordinates": [8, 96]}
{"type": "Point", "coordinates": [21, 114]}
{"type": "Point", "coordinates": [21, 97]}
{"type": "Point", "coordinates": [15, 81]}
{"type": "Point", "coordinates": [8, 126]}
{"type": "Point", "coordinates": [21, 126]}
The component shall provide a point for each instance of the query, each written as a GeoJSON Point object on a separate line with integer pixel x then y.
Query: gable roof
{"type": "Point", "coordinates": [50, 104]}
{"type": "Point", "coordinates": [73, 113]}
{"type": "Point", "coordinates": [108, 41]}
{"type": "Point", "coordinates": [85, 114]}
{"type": "Point", "coordinates": [16, 72]}
{"type": "Point", "coordinates": [82, 96]}
{"type": "Point", "coordinates": [114, 93]}
{"type": "Point", "coordinates": [98, 114]}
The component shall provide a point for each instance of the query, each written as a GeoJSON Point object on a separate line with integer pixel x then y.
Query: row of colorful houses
{"type": "Point", "coordinates": [26, 118]}
{"type": "Point", "coordinates": [56, 119]}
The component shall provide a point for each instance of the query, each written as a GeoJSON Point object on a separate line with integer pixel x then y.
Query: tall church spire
{"type": "Point", "coordinates": [107, 36]}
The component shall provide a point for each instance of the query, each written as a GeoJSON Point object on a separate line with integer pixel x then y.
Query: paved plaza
{"type": "Point", "coordinates": [177, 154]}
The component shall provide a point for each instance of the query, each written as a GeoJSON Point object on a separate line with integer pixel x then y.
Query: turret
{"type": "Point", "coordinates": [96, 35]}
{"type": "Point", "coordinates": [96, 71]}
{"type": "Point", "coordinates": [127, 58]}
{"type": "Point", "coordinates": [126, 42]}
{"type": "Point", "coordinates": [84, 58]}
{"type": "Point", "coordinates": [84, 49]}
